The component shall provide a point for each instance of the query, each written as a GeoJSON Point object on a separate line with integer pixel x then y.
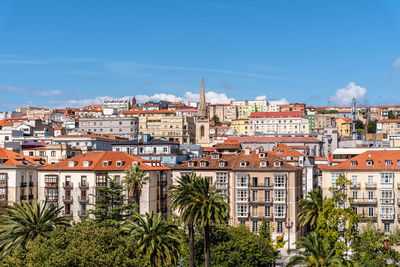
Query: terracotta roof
{"type": "Point", "coordinates": [371, 160]}
{"type": "Point", "coordinates": [58, 128]}
{"type": "Point", "coordinates": [11, 158]}
{"type": "Point", "coordinates": [7, 121]}
{"type": "Point", "coordinates": [86, 136]}
{"type": "Point", "coordinates": [277, 114]}
{"type": "Point", "coordinates": [282, 150]}
{"type": "Point", "coordinates": [228, 145]}
{"type": "Point", "coordinates": [208, 148]}
{"type": "Point", "coordinates": [389, 121]}
{"type": "Point", "coordinates": [233, 161]}
{"type": "Point", "coordinates": [161, 111]}
{"type": "Point", "coordinates": [96, 162]}
{"type": "Point", "coordinates": [270, 139]}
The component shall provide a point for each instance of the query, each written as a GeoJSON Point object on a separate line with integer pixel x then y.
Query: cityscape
{"type": "Point", "coordinates": [196, 174]}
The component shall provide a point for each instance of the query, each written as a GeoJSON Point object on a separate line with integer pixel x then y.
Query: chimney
{"type": "Point", "coordinates": [247, 151]}
{"type": "Point", "coordinates": [257, 150]}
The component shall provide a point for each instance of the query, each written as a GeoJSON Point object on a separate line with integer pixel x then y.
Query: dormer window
{"type": "Point", "coordinates": [277, 163]}
{"type": "Point", "coordinates": [119, 163]}
{"type": "Point", "coordinates": [215, 156]}
{"type": "Point", "coordinates": [135, 163]}
{"type": "Point", "coordinates": [353, 163]}
{"type": "Point", "coordinates": [71, 164]}
{"type": "Point", "coordinates": [203, 163]}
{"type": "Point", "coordinates": [388, 162]}
{"type": "Point", "coordinates": [191, 164]}
{"type": "Point", "coordinates": [263, 164]}
{"type": "Point", "coordinates": [243, 164]}
{"type": "Point", "coordinates": [370, 162]}
{"type": "Point", "coordinates": [222, 163]}
{"type": "Point", "coordinates": [86, 164]}
{"type": "Point", "coordinates": [261, 155]}
{"type": "Point", "coordinates": [279, 151]}
{"type": "Point", "coordinates": [105, 163]}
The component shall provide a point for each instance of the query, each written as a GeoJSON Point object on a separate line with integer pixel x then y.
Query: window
{"type": "Point", "coordinates": [68, 181]}
{"type": "Point", "coordinates": [203, 163]}
{"type": "Point", "coordinates": [51, 193]}
{"type": "Point", "coordinates": [51, 180]}
{"type": "Point", "coordinates": [209, 179]}
{"type": "Point", "coordinates": [279, 195]}
{"type": "Point", "coordinates": [254, 227]}
{"type": "Point", "coordinates": [280, 181]}
{"type": "Point", "coordinates": [387, 180]}
{"type": "Point", "coordinates": [371, 211]}
{"type": "Point", "coordinates": [105, 163]}
{"type": "Point", "coordinates": [119, 163]}
{"type": "Point", "coordinates": [242, 210]}
{"type": "Point", "coordinates": [243, 164]}
{"type": "Point", "coordinates": [355, 208]}
{"type": "Point", "coordinates": [22, 178]}
{"type": "Point", "coordinates": [83, 181]}
{"type": "Point", "coordinates": [242, 195]}
{"type": "Point", "coordinates": [191, 164]}
{"type": "Point", "coordinates": [165, 149]}
{"type": "Point", "coordinates": [267, 211]}
{"type": "Point", "coordinates": [388, 162]}
{"type": "Point", "coordinates": [86, 164]}
{"type": "Point", "coordinates": [267, 181]}
{"type": "Point", "coordinates": [242, 180]}
{"type": "Point", "coordinates": [53, 153]}
{"type": "Point", "coordinates": [279, 227]}
{"type": "Point", "coordinates": [387, 212]}
{"type": "Point", "coordinates": [101, 179]}
{"type": "Point", "coordinates": [370, 195]}
{"type": "Point", "coordinates": [255, 181]}
{"type": "Point", "coordinates": [370, 162]}
{"type": "Point", "coordinates": [3, 178]}
{"type": "Point", "coordinates": [386, 226]}
{"type": "Point", "coordinates": [215, 156]}
{"type": "Point", "coordinates": [277, 163]}
{"type": "Point", "coordinates": [387, 194]}
{"type": "Point", "coordinates": [71, 164]}
{"type": "Point", "coordinates": [3, 193]}
{"type": "Point", "coordinates": [221, 163]}
{"type": "Point", "coordinates": [334, 177]}
{"type": "Point", "coordinates": [254, 196]}
{"type": "Point", "coordinates": [263, 163]}
{"type": "Point", "coordinates": [370, 179]}
{"type": "Point", "coordinates": [267, 195]}
{"type": "Point", "coordinates": [254, 211]}
{"type": "Point", "coordinates": [354, 179]}
{"type": "Point", "coordinates": [353, 163]}
{"type": "Point", "coordinates": [221, 180]}
{"type": "Point", "coordinates": [279, 211]}
{"type": "Point", "coordinates": [262, 155]}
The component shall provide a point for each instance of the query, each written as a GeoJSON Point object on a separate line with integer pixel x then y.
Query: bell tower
{"type": "Point", "coordinates": [202, 119]}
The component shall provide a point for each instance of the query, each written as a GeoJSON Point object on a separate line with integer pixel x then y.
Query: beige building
{"type": "Point", "coordinates": [224, 112]}
{"type": "Point", "coordinates": [116, 125]}
{"type": "Point", "coordinates": [375, 177]}
{"type": "Point", "coordinates": [288, 122]}
{"type": "Point", "coordinates": [241, 126]}
{"type": "Point", "coordinates": [258, 185]}
{"type": "Point", "coordinates": [389, 127]}
{"type": "Point", "coordinates": [52, 153]}
{"type": "Point", "coordinates": [323, 121]}
{"type": "Point", "coordinates": [18, 177]}
{"type": "Point", "coordinates": [72, 183]}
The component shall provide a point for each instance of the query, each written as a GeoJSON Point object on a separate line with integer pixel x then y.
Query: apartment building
{"type": "Point", "coordinates": [72, 183]}
{"type": "Point", "coordinates": [344, 127]}
{"type": "Point", "coordinates": [389, 127]}
{"type": "Point", "coordinates": [375, 177]}
{"type": "Point", "coordinates": [258, 185]}
{"type": "Point", "coordinates": [289, 122]}
{"type": "Point", "coordinates": [224, 112]}
{"type": "Point", "coordinates": [51, 153]}
{"type": "Point", "coordinates": [121, 126]}
{"type": "Point", "coordinates": [88, 142]}
{"type": "Point", "coordinates": [18, 177]}
{"type": "Point", "coordinates": [241, 126]}
{"type": "Point", "coordinates": [323, 121]}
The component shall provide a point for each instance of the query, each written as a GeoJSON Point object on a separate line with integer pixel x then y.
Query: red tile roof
{"type": "Point", "coordinates": [282, 150]}
{"type": "Point", "coordinates": [161, 111]}
{"type": "Point", "coordinates": [7, 121]}
{"type": "Point", "coordinates": [271, 139]}
{"type": "Point", "coordinates": [389, 121]}
{"type": "Point", "coordinates": [277, 114]}
{"type": "Point", "coordinates": [11, 158]}
{"type": "Point", "coordinates": [96, 160]}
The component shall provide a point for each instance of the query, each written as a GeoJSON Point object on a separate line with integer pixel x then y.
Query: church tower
{"type": "Point", "coordinates": [202, 119]}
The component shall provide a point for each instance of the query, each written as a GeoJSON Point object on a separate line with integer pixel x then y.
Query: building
{"type": "Point", "coordinates": [375, 184]}
{"type": "Point", "coordinates": [89, 142]}
{"type": "Point", "coordinates": [245, 107]}
{"type": "Point", "coordinates": [116, 105]}
{"type": "Point", "coordinates": [323, 121]}
{"type": "Point", "coordinates": [51, 153]}
{"type": "Point", "coordinates": [72, 183]}
{"type": "Point", "coordinates": [122, 126]}
{"type": "Point", "coordinates": [258, 185]}
{"type": "Point", "coordinates": [241, 126]}
{"type": "Point", "coordinates": [293, 107]}
{"type": "Point", "coordinates": [18, 177]}
{"type": "Point", "coordinates": [202, 119]}
{"type": "Point", "coordinates": [289, 122]}
{"type": "Point", "coordinates": [344, 126]}
{"type": "Point", "coordinates": [224, 112]}
{"type": "Point", "coordinates": [389, 127]}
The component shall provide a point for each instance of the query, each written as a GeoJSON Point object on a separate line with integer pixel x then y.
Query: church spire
{"type": "Point", "coordinates": [202, 92]}
{"type": "Point", "coordinates": [202, 109]}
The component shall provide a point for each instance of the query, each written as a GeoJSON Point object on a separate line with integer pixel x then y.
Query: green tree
{"type": "Point", "coordinates": [110, 208]}
{"type": "Point", "coordinates": [208, 208]}
{"type": "Point", "coordinates": [23, 223]}
{"type": "Point", "coordinates": [215, 119]}
{"type": "Point", "coordinates": [315, 250]}
{"type": "Point", "coordinates": [156, 238]}
{"type": "Point", "coordinates": [85, 244]}
{"type": "Point", "coordinates": [391, 115]}
{"type": "Point", "coordinates": [181, 196]}
{"type": "Point", "coordinates": [310, 208]}
{"type": "Point", "coordinates": [359, 125]}
{"type": "Point", "coordinates": [135, 179]}
{"type": "Point", "coordinates": [371, 127]}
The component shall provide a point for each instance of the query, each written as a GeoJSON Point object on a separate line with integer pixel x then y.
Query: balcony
{"type": "Point", "coordinates": [355, 186]}
{"type": "Point", "coordinates": [30, 196]}
{"type": "Point", "coordinates": [386, 216]}
{"type": "Point", "coordinates": [83, 185]}
{"type": "Point", "coordinates": [365, 218]}
{"type": "Point", "coordinates": [52, 199]}
{"type": "Point", "coordinates": [31, 184]}
{"type": "Point", "coordinates": [23, 197]}
{"type": "Point", "coordinates": [3, 184]}
{"type": "Point", "coordinates": [23, 184]}
{"type": "Point", "coordinates": [83, 214]}
{"type": "Point", "coordinates": [370, 201]}
{"type": "Point", "coordinates": [83, 199]}
{"type": "Point", "coordinates": [51, 185]}
{"type": "Point", "coordinates": [68, 185]}
{"type": "Point", "coordinates": [280, 216]}
{"type": "Point", "coordinates": [370, 185]}
{"type": "Point", "coordinates": [67, 199]}
{"type": "Point", "coordinates": [260, 186]}
{"type": "Point", "coordinates": [387, 201]}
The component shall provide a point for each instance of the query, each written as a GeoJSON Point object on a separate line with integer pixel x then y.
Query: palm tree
{"type": "Point", "coordinates": [316, 251]}
{"type": "Point", "coordinates": [207, 208]}
{"type": "Point", "coordinates": [157, 239]}
{"type": "Point", "coordinates": [24, 223]}
{"type": "Point", "coordinates": [311, 207]}
{"type": "Point", "coordinates": [135, 179]}
{"type": "Point", "coordinates": [181, 196]}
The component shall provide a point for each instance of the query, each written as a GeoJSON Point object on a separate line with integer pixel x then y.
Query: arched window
{"type": "Point", "coordinates": [201, 131]}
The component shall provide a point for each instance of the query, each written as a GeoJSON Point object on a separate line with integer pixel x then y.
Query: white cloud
{"type": "Point", "coordinates": [158, 97]}
{"type": "Point", "coordinates": [396, 64]}
{"type": "Point", "coordinates": [22, 90]}
{"type": "Point", "coordinates": [281, 101]}
{"type": "Point", "coordinates": [261, 97]}
{"type": "Point", "coordinates": [211, 97]}
{"type": "Point", "coordinates": [344, 96]}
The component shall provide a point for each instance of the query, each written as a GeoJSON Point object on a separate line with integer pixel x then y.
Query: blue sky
{"type": "Point", "coordinates": [72, 53]}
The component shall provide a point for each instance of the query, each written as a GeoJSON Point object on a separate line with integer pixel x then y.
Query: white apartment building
{"type": "Point", "coordinates": [289, 122]}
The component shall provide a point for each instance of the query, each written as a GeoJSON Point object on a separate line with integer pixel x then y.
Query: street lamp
{"type": "Point", "coordinates": [289, 225]}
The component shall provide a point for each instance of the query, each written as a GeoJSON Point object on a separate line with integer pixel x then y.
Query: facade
{"type": "Point", "coordinates": [18, 177]}
{"type": "Point", "coordinates": [72, 183]}
{"type": "Point", "coordinates": [121, 126]}
{"type": "Point", "coordinates": [119, 105]}
{"type": "Point", "coordinates": [89, 142]}
{"type": "Point", "coordinates": [51, 153]}
{"type": "Point", "coordinates": [224, 112]}
{"type": "Point", "coordinates": [323, 121]}
{"type": "Point", "coordinates": [344, 127]}
{"type": "Point", "coordinates": [289, 122]}
{"type": "Point", "coordinates": [375, 177]}
{"type": "Point", "coordinates": [202, 120]}
{"type": "Point", "coordinates": [241, 126]}
{"type": "Point", "coordinates": [258, 185]}
{"type": "Point", "coordinates": [389, 127]}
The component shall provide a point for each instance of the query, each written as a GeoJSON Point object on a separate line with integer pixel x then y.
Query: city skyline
{"type": "Point", "coordinates": [69, 55]}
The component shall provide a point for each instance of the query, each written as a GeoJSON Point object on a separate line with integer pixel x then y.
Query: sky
{"type": "Point", "coordinates": [75, 53]}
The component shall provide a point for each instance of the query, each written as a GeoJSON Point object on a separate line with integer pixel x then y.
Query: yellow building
{"type": "Point", "coordinates": [241, 126]}
{"type": "Point", "coordinates": [344, 127]}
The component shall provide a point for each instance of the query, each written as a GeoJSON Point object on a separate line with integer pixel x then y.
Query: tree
{"type": "Point", "coordinates": [359, 125]}
{"type": "Point", "coordinates": [371, 127]}
{"type": "Point", "coordinates": [208, 208]}
{"type": "Point", "coordinates": [315, 250]}
{"type": "Point", "coordinates": [23, 223]}
{"type": "Point", "coordinates": [156, 238]}
{"type": "Point", "coordinates": [181, 196]}
{"type": "Point", "coordinates": [215, 119]}
{"type": "Point", "coordinates": [311, 207]}
{"type": "Point", "coordinates": [85, 244]}
{"type": "Point", "coordinates": [135, 179]}
{"type": "Point", "coordinates": [110, 208]}
{"type": "Point", "coordinates": [391, 115]}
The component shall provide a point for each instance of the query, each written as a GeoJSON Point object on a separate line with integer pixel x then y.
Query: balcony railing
{"type": "Point", "coordinates": [370, 185]}
{"type": "Point", "coordinates": [67, 185]}
{"type": "Point", "coordinates": [261, 186]}
{"type": "Point", "coordinates": [83, 185]}
{"type": "Point", "coordinates": [52, 199]}
{"type": "Point", "coordinates": [387, 201]}
{"type": "Point", "coordinates": [371, 201]}
{"type": "Point", "coordinates": [368, 218]}
{"type": "Point", "coordinates": [67, 199]}
{"type": "Point", "coordinates": [355, 186]}
{"type": "Point", "coordinates": [23, 184]}
{"type": "Point", "coordinates": [51, 185]}
{"type": "Point", "coordinates": [385, 216]}
{"type": "Point", "coordinates": [83, 199]}
{"type": "Point", "coordinates": [280, 216]}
